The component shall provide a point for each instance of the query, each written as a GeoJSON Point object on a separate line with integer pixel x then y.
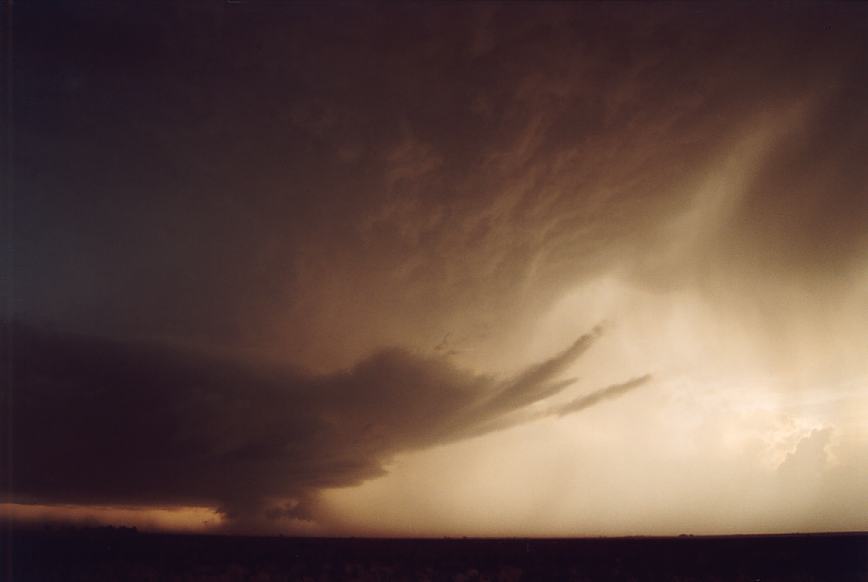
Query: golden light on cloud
{"type": "Point", "coordinates": [360, 287]}
{"type": "Point", "coordinates": [706, 449]}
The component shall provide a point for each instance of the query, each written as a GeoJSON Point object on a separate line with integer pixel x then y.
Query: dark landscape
{"type": "Point", "coordinates": [107, 553]}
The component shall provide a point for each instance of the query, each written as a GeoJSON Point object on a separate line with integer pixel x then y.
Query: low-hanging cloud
{"type": "Point", "coordinates": [102, 421]}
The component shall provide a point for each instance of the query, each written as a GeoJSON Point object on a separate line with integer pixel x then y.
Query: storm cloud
{"type": "Point", "coordinates": [308, 181]}
{"type": "Point", "coordinates": [102, 421]}
{"type": "Point", "coordinates": [234, 209]}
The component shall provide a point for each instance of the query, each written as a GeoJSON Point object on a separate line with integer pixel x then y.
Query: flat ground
{"type": "Point", "coordinates": [119, 554]}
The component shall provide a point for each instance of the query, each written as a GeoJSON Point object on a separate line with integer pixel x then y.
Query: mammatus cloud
{"type": "Point", "coordinates": [101, 421]}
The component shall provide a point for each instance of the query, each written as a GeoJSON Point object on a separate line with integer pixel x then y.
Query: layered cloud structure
{"type": "Point", "coordinates": [325, 266]}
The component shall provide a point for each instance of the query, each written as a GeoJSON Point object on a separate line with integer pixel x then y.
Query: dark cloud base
{"type": "Point", "coordinates": [101, 421]}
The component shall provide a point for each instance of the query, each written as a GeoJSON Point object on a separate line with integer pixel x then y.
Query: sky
{"type": "Point", "coordinates": [437, 269]}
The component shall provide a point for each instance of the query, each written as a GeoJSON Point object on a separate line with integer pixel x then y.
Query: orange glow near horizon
{"type": "Point", "coordinates": [176, 519]}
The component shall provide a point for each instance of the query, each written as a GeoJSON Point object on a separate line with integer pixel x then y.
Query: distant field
{"type": "Point", "coordinates": [118, 554]}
